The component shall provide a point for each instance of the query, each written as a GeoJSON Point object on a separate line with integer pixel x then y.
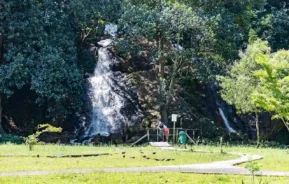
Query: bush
{"type": "Point", "coordinates": [12, 139]}
{"type": "Point", "coordinates": [32, 140]}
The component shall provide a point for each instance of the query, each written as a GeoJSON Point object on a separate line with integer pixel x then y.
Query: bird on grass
{"type": "Point", "coordinates": [154, 153]}
{"type": "Point", "coordinates": [168, 159]}
{"type": "Point", "coordinates": [144, 156]}
{"type": "Point", "coordinates": [132, 157]}
{"type": "Point", "coordinates": [148, 158]}
{"type": "Point", "coordinates": [157, 159]}
{"type": "Point", "coordinates": [123, 156]}
{"type": "Point", "coordinates": [123, 152]}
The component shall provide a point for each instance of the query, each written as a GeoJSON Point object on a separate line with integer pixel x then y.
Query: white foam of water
{"type": "Point", "coordinates": [111, 29]}
{"type": "Point", "coordinates": [106, 103]}
{"type": "Point", "coordinates": [227, 124]}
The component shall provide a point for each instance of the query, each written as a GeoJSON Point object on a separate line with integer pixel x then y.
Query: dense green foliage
{"type": "Point", "coordinates": [241, 82]}
{"type": "Point", "coordinates": [272, 94]}
{"type": "Point", "coordinates": [259, 81]}
{"type": "Point", "coordinates": [166, 32]}
{"type": "Point", "coordinates": [45, 47]}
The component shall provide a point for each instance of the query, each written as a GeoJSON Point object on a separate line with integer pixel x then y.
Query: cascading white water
{"type": "Point", "coordinates": [227, 124]}
{"type": "Point", "coordinates": [106, 103]}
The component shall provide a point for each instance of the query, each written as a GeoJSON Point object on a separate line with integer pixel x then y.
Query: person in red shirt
{"type": "Point", "coordinates": [164, 131]}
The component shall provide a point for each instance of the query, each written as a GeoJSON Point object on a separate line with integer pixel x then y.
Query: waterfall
{"type": "Point", "coordinates": [227, 123]}
{"type": "Point", "coordinates": [106, 103]}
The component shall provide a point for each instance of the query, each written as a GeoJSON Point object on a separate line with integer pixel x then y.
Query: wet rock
{"type": "Point", "coordinates": [51, 137]}
{"type": "Point", "coordinates": [105, 43]}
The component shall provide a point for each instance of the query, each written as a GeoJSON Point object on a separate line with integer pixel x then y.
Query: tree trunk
{"type": "Point", "coordinates": [258, 130]}
{"type": "Point", "coordinates": [163, 106]}
{"type": "Point", "coordinates": [171, 86]}
{"type": "Point", "coordinates": [164, 114]}
{"type": "Point", "coordinates": [162, 70]}
{"type": "Point", "coordinates": [286, 123]}
{"type": "Point", "coordinates": [169, 96]}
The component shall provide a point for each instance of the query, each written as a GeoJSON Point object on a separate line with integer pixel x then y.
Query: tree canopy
{"type": "Point", "coordinates": [42, 40]}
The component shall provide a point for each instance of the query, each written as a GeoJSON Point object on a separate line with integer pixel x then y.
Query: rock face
{"type": "Point", "coordinates": [220, 110]}
{"type": "Point", "coordinates": [223, 114]}
{"type": "Point", "coordinates": [63, 137]}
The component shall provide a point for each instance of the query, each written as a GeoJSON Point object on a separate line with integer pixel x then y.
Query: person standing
{"type": "Point", "coordinates": [182, 139]}
{"type": "Point", "coordinates": [164, 131]}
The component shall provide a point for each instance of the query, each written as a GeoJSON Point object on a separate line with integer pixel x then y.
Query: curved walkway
{"type": "Point", "coordinates": [221, 167]}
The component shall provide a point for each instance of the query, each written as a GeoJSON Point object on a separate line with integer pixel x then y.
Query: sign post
{"type": "Point", "coordinates": [174, 119]}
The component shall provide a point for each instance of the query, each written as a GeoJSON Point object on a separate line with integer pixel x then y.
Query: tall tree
{"type": "Point", "coordinates": [166, 32]}
{"type": "Point", "coordinates": [272, 23]}
{"type": "Point", "coordinates": [229, 21]}
{"type": "Point", "coordinates": [42, 49]}
{"type": "Point", "coordinates": [272, 94]}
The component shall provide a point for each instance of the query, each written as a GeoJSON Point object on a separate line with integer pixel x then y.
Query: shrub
{"type": "Point", "coordinates": [32, 140]}
{"type": "Point", "coordinates": [12, 139]}
{"type": "Point", "coordinates": [253, 167]}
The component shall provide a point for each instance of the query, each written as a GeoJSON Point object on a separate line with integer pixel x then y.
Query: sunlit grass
{"type": "Point", "coordinates": [132, 157]}
{"type": "Point", "coordinates": [274, 158]}
{"type": "Point", "coordinates": [141, 178]}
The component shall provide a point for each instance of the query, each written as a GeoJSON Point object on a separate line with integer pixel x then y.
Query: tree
{"type": "Point", "coordinates": [229, 21]}
{"type": "Point", "coordinates": [42, 49]}
{"type": "Point", "coordinates": [165, 32]}
{"type": "Point", "coordinates": [272, 24]}
{"type": "Point", "coordinates": [272, 94]}
{"type": "Point", "coordinates": [241, 83]}
{"type": "Point", "coordinates": [261, 78]}
{"type": "Point", "coordinates": [40, 53]}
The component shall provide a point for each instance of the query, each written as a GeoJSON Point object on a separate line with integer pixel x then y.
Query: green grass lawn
{"type": "Point", "coordinates": [115, 159]}
{"type": "Point", "coordinates": [274, 159]}
{"type": "Point", "coordinates": [141, 178]}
